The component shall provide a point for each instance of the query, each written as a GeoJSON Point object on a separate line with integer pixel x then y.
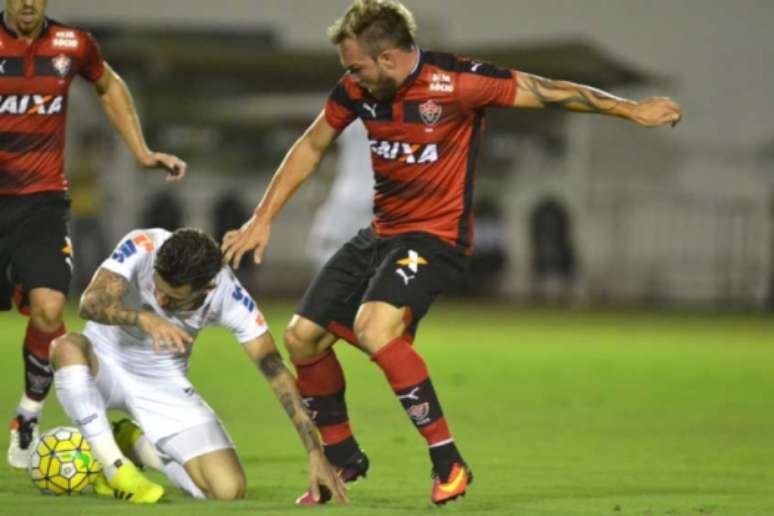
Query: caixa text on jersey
{"type": "Point", "coordinates": [409, 153]}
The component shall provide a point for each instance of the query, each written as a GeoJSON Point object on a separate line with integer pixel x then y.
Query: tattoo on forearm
{"type": "Point", "coordinates": [271, 365]}
{"type": "Point", "coordinates": [290, 399]}
{"type": "Point", "coordinates": [308, 434]}
{"type": "Point", "coordinates": [286, 399]}
{"type": "Point", "coordinates": [569, 95]}
{"type": "Point", "coordinates": [102, 300]}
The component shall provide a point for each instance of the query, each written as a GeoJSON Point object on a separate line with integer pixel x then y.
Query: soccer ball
{"type": "Point", "coordinates": [61, 462]}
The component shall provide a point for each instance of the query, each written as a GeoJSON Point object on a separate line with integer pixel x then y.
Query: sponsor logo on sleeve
{"type": "Point", "coordinates": [130, 246]}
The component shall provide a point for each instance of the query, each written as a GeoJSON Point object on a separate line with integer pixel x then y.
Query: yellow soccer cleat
{"type": "Point", "coordinates": [126, 432]}
{"type": "Point", "coordinates": [101, 486]}
{"type": "Point", "coordinates": [131, 485]}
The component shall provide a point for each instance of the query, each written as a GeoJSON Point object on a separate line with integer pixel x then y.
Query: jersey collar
{"type": "Point", "coordinates": [415, 71]}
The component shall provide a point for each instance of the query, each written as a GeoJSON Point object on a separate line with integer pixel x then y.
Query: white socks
{"type": "Point", "coordinates": [29, 408]}
{"type": "Point", "coordinates": [180, 477]}
{"type": "Point", "coordinates": [83, 404]}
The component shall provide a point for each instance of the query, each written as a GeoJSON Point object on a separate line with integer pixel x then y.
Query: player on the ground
{"type": "Point", "coordinates": [145, 306]}
{"type": "Point", "coordinates": [39, 58]}
{"type": "Point", "coordinates": [424, 112]}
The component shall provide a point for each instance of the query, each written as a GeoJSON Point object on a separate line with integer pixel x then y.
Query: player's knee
{"type": "Point", "coordinates": [298, 347]}
{"type": "Point", "coordinates": [232, 489]}
{"type": "Point", "coordinates": [67, 349]}
{"type": "Point", "coordinates": [371, 335]}
{"type": "Point", "coordinates": [46, 313]}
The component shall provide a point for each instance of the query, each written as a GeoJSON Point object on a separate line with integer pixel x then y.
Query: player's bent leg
{"type": "Point", "coordinates": [218, 474]}
{"type": "Point", "coordinates": [75, 368]}
{"type": "Point", "coordinates": [321, 383]}
{"type": "Point", "coordinates": [379, 327]}
{"type": "Point", "coordinates": [45, 325]}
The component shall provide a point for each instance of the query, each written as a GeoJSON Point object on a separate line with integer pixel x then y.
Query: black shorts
{"type": "Point", "coordinates": [35, 247]}
{"type": "Point", "coordinates": [405, 271]}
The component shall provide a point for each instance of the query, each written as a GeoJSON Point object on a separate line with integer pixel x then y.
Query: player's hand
{"type": "Point", "coordinates": [176, 168]}
{"type": "Point", "coordinates": [164, 333]}
{"type": "Point", "coordinates": [321, 473]}
{"type": "Point", "coordinates": [252, 235]}
{"type": "Point", "coordinates": [657, 111]}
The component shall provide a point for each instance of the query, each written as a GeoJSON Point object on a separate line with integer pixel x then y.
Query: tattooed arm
{"type": "Point", "coordinates": [263, 353]}
{"type": "Point", "coordinates": [102, 302]}
{"type": "Point", "coordinates": [538, 92]}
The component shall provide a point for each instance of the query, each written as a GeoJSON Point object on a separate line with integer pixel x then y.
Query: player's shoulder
{"type": "Point", "coordinates": [140, 242]}
{"type": "Point", "coordinates": [453, 63]}
{"type": "Point", "coordinates": [66, 36]}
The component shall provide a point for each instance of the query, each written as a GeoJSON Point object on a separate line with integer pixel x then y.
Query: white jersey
{"type": "Point", "coordinates": [227, 305]}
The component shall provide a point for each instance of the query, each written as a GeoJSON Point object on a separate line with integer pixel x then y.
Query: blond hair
{"type": "Point", "coordinates": [377, 24]}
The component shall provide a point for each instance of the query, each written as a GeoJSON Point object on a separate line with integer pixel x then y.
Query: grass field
{"type": "Point", "coordinates": [558, 413]}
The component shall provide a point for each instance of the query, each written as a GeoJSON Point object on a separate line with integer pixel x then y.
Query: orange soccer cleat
{"type": "Point", "coordinates": [455, 485]}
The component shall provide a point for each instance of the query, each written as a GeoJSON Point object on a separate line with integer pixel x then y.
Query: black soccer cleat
{"type": "Point", "coordinates": [350, 472]}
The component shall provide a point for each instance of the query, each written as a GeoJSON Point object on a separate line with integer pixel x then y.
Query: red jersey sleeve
{"type": "Point", "coordinates": [93, 64]}
{"type": "Point", "coordinates": [340, 108]}
{"type": "Point", "coordinates": [483, 85]}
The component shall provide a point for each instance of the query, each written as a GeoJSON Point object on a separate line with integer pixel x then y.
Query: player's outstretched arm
{"type": "Point", "coordinates": [538, 92]}
{"type": "Point", "coordinates": [102, 302]}
{"type": "Point", "coordinates": [299, 163]}
{"type": "Point", "coordinates": [264, 354]}
{"type": "Point", "coordinates": [118, 105]}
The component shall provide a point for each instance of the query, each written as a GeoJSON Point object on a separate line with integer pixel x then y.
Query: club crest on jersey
{"type": "Point", "coordinates": [430, 112]}
{"type": "Point", "coordinates": [61, 64]}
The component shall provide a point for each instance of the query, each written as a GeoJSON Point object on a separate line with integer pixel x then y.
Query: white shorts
{"type": "Point", "coordinates": [171, 413]}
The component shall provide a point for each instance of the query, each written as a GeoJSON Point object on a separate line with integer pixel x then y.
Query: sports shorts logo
{"type": "Point", "coordinates": [430, 112]}
{"type": "Point", "coordinates": [412, 263]}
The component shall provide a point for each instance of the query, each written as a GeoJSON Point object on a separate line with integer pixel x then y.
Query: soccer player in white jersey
{"type": "Point", "coordinates": [145, 306]}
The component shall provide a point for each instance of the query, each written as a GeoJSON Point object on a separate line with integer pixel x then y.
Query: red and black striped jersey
{"type": "Point", "coordinates": [34, 80]}
{"type": "Point", "coordinates": [425, 142]}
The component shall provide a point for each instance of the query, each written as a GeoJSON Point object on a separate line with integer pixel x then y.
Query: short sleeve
{"type": "Point", "coordinates": [130, 253]}
{"type": "Point", "coordinates": [93, 63]}
{"type": "Point", "coordinates": [339, 109]}
{"type": "Point", "coordinates": [239, 314]}
{"type": "Point", "coordinates": [486, 85]}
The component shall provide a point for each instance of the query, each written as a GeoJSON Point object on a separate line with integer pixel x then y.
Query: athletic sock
{"type": "Point", "coordinates": [322, 386]}
{"type": "Point", "coordinates": [410, 381]}
{"type": "Point", "coordinates": [28, 408]}
{"type": "Point", "coordinates": [83, 404]}
{"type": "Point", "coordinates": [37, 370]}
{"type": "Point", "coordinates": [145, 454]}
{"type": "Point", "coordinates": [180, 477]}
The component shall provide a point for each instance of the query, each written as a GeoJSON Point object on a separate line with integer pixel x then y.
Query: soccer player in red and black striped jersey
{"type": "Point", "coordinates": [39, 58]}
{"type": "Point", "coordinates": [424, 112]}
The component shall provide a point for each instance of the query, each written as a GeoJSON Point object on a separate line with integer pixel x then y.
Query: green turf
{"type": "Point", "coordinates": [558, 413]}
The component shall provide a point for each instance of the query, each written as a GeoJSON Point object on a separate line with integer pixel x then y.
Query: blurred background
{"type": "Point", "coordinates": [571, 209]}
